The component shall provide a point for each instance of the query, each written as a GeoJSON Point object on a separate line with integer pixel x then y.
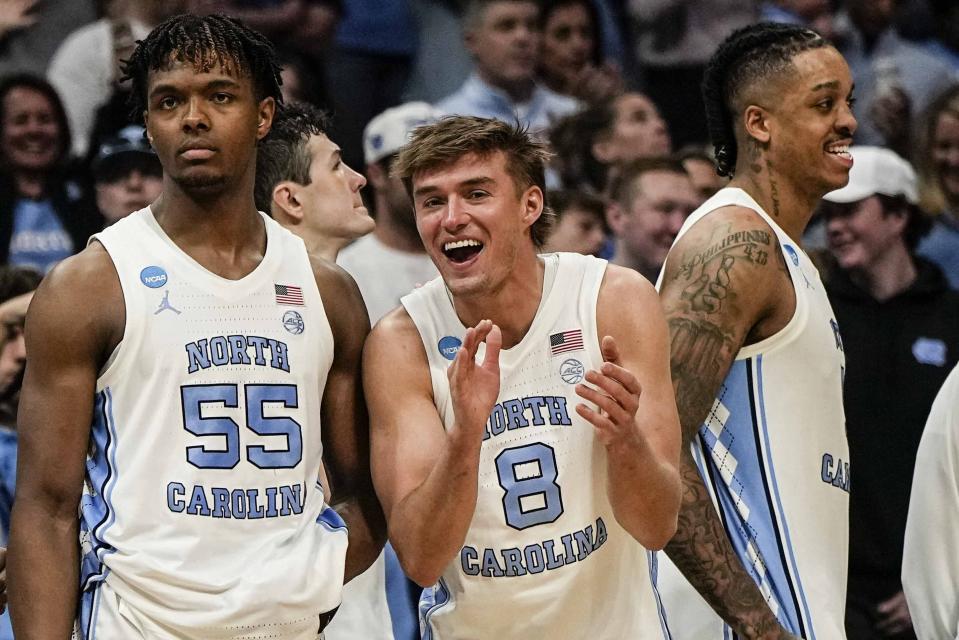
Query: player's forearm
{"type": "Point", "coordinates": [703, 553]}
{"type": "Point", "coordinates": [644, 492]}
{"type": "Point", "coordinates": [43, 571]}
{"type": "Point", "coordinates": [428, 527]}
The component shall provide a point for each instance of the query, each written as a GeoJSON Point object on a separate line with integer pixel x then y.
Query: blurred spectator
{"type": "Point", "coordinates": [85, 69]}
{"type": "Point", "coordinates": [895, 79]}
{"type": "Point", "coordinates": [945, 23]}
{"type": "Point", "coordinates": [937, 156]}
{"type": "Point", "coordinates": [441, 60]}
{"type": "Point", "coordinates": [571, 60]}
{"type": "Point", "coordinates": [386, 264]}
{"type": "Point", "coordinates": [300, 80]}
{"type": "Point", "coordinates": [31, 31]}
{"type": "Point", "coordinates": [45, 214]}
{"type": "Point", "coordinates": [589, 143]}
{"type": "Point", "coordinates": [580, 225]}
{"type": "Point", "coordinates": [127, 175]}
{"type": "Point", "coordinates": [816, 14]}
{"type": "Point", "coordinates": [303, 25]}
{"type": "Point", "coordinates": [674, 40]}
{"type": "Point", "coordinates": [369, 67]}
{"type": "Point", "coordinates": [900, 333]}
{"type": "Point", "coordinates": [16, 290]}
{"type": "Point", "coordinates": [651, 201]}
{"type": "Point", "coordinates": [701, 169]}
{"type": "Point", "coordinates": [504, 39]}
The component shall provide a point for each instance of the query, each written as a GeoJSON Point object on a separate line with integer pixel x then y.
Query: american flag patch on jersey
{"type": "Point", "coordinates": [565, 341]}
{"type": "Point", "coordinates": [288, 294]}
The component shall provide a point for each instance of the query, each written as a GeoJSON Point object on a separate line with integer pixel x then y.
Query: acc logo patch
{"type": "Point", "coordinates": [293, 322]}
{"type": "Point", "coordinates": [153, 277]}
{"type": "Point", "coordinates": [930, 351]}
{"type": "Point", "coordinates": [449, 346]}
{"type": "Point", "coordinates": [572, 371]}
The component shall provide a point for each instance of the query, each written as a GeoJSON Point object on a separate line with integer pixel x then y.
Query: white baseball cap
{"type": "Point", "coordinates": [876, 170]}
{"type": "Point", "coordinates": [389, 132]}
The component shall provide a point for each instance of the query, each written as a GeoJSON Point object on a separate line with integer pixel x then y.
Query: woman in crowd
{"type": "Point", "coordinates": [938, 162]}
{"type": "Point", "coordinates": [45, 213]}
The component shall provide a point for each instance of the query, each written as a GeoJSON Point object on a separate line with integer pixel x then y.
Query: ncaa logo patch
{"type": "Point", "coordinates": [293, 322]}
{"type": "Point", "coordinates": [449, 346]}
{"type": "Point", "coordinates": [572, 371]}
{"type": "Point", "coordinates": [153, 277]}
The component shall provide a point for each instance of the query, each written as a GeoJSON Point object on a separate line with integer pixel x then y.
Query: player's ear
{"type": "Point", "coordinates": [533, 203]}
{"type": "Point", "coordinates": [286, 203]}
{"type": "Point", "coordinates": [756, 123]}
{"type": "Point", "coordinates": [146, 126]}
{"type": "Point", "coordinates": [265, 112]}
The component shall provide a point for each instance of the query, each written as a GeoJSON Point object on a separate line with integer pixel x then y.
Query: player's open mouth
{"type": "Point", "coordinates": [462, 251]}
{"type": "Point", "coordinates": [841, 150]}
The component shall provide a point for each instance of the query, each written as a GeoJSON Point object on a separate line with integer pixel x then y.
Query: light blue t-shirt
{"type": "Point", "coordinates": [39, 240]}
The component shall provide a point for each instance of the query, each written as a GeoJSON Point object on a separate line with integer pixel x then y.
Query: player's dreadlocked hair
{"type": "Point", "coordinates": [204, 41]}
{"type": "Point", "coordinates": [283, 153]}
{"type": "Point", "coordinates": [749, 54]}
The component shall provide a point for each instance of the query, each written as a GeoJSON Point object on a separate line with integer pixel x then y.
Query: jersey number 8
{"type": "Point", "coordinates": [528, 475]}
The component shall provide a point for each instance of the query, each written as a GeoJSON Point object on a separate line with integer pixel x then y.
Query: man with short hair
{"type": "Point", "coordinates": [544, 504]}
{"type": "Point", "coordinates": [756, 357]}
{"type": "Point", "coordinates": [651, 201]}
{"type": "Point", "coordinates": [900, 329]}
{"type": "Point", "coordinates": [181, 368]}
{"type": "Point", "coordinates": [503, 37]}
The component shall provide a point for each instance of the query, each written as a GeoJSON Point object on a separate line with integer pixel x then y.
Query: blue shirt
{"type": "Point", "coordinates": [39, 240]}
{"type": "Point", "coordinates": [477, 98]}
{"type": "Point", "coordinates": [941, 246]}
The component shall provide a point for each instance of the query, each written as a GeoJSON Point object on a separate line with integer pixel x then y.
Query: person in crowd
{"type": "Point", "coordinates": [46, 212]}
{"type": "Point", "coordinates": [571, 61]}
{"type": "Point", "coordinates": [937, 156]}
{"type": "Point", "coordinates": [895, 78]}
{"type": "Point", "coordinates": [580, 225]}
{"type": "Point", "coordinates": [85, 70]}
{"type": "Point", "coordinates": [127, 175]}
{"type": "Point", "coordinates": [900, 332]}
{"type": "Point", "coordinates": [591, 143]}
{"type": "Point", "coordinates": [756, 359]}
{"type": "Point", "coordinates": [31, 31]}
{"type": "Point", "coordinates": [818, 15]}
{"type": "Point", "coordinates": [651, 201]}
{"type": "Point", "coordinates": [700, 166]}
{"type": "Point", "coordinates": [503, 37]}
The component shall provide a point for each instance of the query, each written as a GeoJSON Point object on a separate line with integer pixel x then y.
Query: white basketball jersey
{"type": "Point", "coordinates": [544, 557]}
{"type": "Point", "coordinates": [773, 454]}
{"type": "Point", "coordinates": [201, 508]}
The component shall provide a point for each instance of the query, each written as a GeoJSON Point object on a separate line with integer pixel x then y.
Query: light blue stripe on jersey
{"type": "Point", "coordinates": [89, 605]}
{"type": "Point", "coordinates": [737, 469]}
{"type": "Point", "coordinates": [807, 614]}
{"type": "Point", "coordinates": [653, 561]}
{"type": "Point", "coordinates": [330, 520]}
{"type": "Point", "coordinates": [96, 511]}
{"type": "Point", "coordinates": [433, 599]}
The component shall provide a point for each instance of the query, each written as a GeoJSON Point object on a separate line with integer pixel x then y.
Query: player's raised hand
{"type": "Point", "coordinates": [474, 387]}
{"type": "Point", "coordinates": [616, 395]}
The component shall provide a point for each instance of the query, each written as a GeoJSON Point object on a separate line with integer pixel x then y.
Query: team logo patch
{"type": "Point", "coordinates": [572, 371]}
{"type": "Point", "coordinates": [165, 304]}
{"type": "Point", "coordinates": [449, 346]}
{"type": "Point", "coordinates": [153, 277]}
{"type": "Point", "coordinates": [293, 322]}
{"type": "Point", "coordinates": [792, 254]}
{"type": "Point", "coordinates": [930, 351]}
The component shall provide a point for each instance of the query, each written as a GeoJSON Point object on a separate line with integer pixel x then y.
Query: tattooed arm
{"type": "Point", "coordinates": [725, 286]}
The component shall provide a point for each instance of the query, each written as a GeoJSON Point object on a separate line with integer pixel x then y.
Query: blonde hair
{"type": "Point", "coordinates": [932, 198]}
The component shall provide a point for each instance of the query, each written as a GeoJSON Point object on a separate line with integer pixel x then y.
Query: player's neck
{"type": "Point", "coordinates": [512, 305]}
{"type": "Point", "coordinates": [790, 206]}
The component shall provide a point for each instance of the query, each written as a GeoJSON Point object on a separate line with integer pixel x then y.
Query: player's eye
{"type": "Point", "coordinates": [222, 98]}
{"type": "Point", "coordinates": [167, 102]}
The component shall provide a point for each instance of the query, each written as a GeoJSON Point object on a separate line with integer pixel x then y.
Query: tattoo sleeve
{"type": "Point", "coordinates": [705, 298]}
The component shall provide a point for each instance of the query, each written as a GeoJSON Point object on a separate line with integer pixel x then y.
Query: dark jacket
{"type": "Point", "coordinates": [898, 353]}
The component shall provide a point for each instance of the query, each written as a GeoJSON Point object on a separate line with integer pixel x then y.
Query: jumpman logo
{"type": "Point", "coordinates": [165, 304]}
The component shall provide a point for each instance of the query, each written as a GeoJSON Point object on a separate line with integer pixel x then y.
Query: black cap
{"type": "Point", "coordinates": [123, 152]}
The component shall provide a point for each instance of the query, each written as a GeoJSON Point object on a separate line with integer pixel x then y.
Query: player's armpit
{"type": "Point", "coordinates": [421, 478]}
{"type": "Point", "coordinates": [74, 322]}
{"type": "Point", "coordinates": [346, 446]}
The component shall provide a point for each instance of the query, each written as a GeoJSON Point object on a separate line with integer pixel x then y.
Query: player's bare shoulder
{"type": "Point", "coordinates": [622, 285]}
{"type": "Point", "coordinates": [81, 297]}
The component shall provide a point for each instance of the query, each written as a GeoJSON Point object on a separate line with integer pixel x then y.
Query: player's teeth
{"type": "Point", "coordinates": [460, 243]}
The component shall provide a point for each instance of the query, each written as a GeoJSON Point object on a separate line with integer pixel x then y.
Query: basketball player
{"type": "Point", "coordinates": [756, 356]}
{"type": "Point", "coordinates": [207, 349]}
{"type": "Point", "coordinates": [524, 436]}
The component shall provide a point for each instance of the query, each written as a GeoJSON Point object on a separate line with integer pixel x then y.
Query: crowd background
{"type": "Point", "coordinates": [613, 85]}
